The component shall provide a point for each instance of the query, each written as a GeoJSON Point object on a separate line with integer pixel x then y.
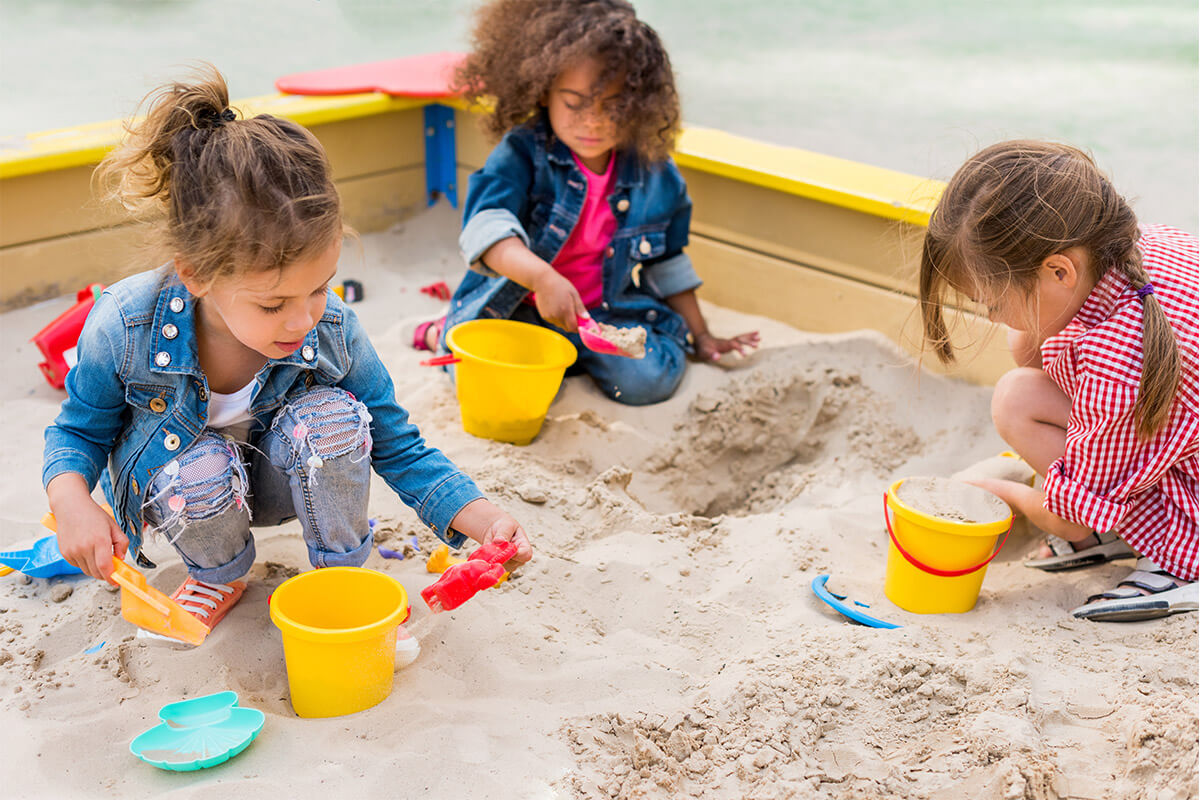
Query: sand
{"type": "Point", "coordinates": [664, 642]}
{"type": "Point", "coordinates": [632, 340]}
{"type": "Point", "coordinates": [952, 500]}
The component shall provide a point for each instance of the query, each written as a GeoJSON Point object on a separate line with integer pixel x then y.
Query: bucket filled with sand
{"type": "Point", "coordinates": [942, 537]}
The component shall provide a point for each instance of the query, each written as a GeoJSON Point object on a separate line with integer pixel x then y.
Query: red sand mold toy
{"type": "Point", "coordinates": [483, 569]}
{"type": "Point", "coordinates": [58, 339]}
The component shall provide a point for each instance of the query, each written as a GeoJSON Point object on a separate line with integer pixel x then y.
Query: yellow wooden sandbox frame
{"type": "Point", "coordinates": [821, 243]}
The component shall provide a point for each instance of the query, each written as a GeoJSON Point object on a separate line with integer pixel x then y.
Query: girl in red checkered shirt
{"type": "Point", "coordinates": [1103, 325]}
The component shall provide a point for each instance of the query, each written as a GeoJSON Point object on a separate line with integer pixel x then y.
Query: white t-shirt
{"type": "Point", "coordinates": [227, 410]}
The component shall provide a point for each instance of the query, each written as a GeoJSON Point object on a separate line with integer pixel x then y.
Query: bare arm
{"type": "Point", "coordinates": [557, 299]}
{"type": "Point", "coordinates": [1030, 502]}
{"type": "Point", "coordinates": [87, 537]}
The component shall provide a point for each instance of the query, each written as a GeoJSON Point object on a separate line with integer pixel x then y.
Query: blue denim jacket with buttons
{"type": "Point", "coordinates": [137, 398]}
{"type": "Point", "coordinates": [530, 187]}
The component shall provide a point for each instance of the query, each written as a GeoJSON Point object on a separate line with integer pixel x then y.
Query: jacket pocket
{"type": "Point", "coordinates": [155, 398]}
{"type": "Point", "coordinates": [647, 246]}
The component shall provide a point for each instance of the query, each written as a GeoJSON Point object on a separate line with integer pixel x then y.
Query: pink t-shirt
{"type": "Point", "coordinates": [581, 260]}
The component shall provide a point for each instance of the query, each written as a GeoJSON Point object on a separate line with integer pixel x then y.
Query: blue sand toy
{"type": "Point", "coordinates": [198, 733]}
{"type": "Point", "coordinates": [42, 559]}
{"type": "Point", "coordinates": [834, 601]}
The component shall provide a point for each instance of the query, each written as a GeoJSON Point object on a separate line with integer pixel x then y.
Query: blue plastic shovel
{"type": "Point", "coordinates": [42, 559]}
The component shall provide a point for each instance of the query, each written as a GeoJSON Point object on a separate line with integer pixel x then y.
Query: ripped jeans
{"type": "Point", "coordinates": [313, 463]}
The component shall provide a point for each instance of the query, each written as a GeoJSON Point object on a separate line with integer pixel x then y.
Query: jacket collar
{"type": "Point", "coordinates": [629, 166]}
{"type": "Point", "coordinates": [173, 336]}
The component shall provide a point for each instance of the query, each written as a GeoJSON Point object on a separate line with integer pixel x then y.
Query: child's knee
{"type": "Point", "coordinates": [1011, 397]}
{"type": "Point", "coordinates": [644, 382]}
{"type": "Point", "coordinates": [206, 480]}
{"type": "Point", "coordinates": [324, 423]}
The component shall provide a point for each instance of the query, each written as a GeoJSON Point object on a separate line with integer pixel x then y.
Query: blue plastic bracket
{"type": "Point", "coordinates": [440, 157]}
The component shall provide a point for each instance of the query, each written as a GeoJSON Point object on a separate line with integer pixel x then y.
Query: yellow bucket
{"type": "Point", "coordinates": [507, 375]}
{"type": "Point", "coordinates": [936, 565]}
{"type": "Point", "coordinates": [339, 637]}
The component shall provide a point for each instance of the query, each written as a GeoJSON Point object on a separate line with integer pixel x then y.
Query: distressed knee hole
{"type": "Point", "coordinates": [331, 423]}
{"type": "Point", "coordinates": [203, 482]}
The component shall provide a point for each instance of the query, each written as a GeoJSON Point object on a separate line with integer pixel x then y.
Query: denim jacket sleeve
{"type": "Point", "coordinates": [421, 475]}
{"type": "Point", "coordinates": [673, 272]}
{"type": "Point", "coordinates": [498, 200]}
{"type": "Point", "coordinates": [82, 436]}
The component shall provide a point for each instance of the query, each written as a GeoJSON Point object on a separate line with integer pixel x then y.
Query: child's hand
{"type": "Point", "coordinates": [88, 537]}
{"type": "Point", "coordinates": [710, 348]}
{"type": "Point", "coordinates": [558, 300]}
{"type": "Point", "coordinates": [485, 522]}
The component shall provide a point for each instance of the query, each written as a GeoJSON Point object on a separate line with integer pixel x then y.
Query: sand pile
{"type": "Point", "coordinates": [664, 642]}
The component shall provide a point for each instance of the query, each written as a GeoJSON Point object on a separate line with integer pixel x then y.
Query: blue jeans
{"type": "Point", "coordinates": [313, 463]}
{"type": "Point", "coordinates": [632, 381]}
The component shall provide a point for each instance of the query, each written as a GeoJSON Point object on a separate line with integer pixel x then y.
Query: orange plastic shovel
{"type": "Point", "coordinates": [145, 606]}
{"type": "Point", "coordinates": [148, 608]}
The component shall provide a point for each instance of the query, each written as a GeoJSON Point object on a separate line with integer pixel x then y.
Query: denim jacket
{"type": "Point", "coordinates": [532, 188]}
{"type": "Point", "coordinates": [137, 398]}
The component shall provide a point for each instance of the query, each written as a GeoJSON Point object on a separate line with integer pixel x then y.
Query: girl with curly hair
{"type": "Point", "coordinates": [579, 211]}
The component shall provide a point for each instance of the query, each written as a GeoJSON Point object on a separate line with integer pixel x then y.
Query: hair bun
{"type": "Point", "coordinates": [209, 118]}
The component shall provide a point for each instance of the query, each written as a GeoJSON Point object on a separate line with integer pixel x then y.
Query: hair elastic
{"type": "Point", "coordinates": [1147, 288]}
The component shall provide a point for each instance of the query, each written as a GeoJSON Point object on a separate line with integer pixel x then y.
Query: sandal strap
{"type": "Point", "coordinates": [1151, 582]}
{"type": "Point", "coordinates": [1061, 547]}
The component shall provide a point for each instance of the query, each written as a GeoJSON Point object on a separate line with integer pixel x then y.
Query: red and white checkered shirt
{"type": "Point", "coordinates": [1107, 479]}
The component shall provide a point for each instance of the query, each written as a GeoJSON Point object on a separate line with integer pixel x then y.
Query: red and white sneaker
{"type": "Point", "coordinates": [208, 602]}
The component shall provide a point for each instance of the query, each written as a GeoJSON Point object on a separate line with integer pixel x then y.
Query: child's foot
{"type": "Point", "coordinates": [208, 602]}
{"type": "Point", "coordinates": [1059, 554]}
{"type": "Point", "coordinates": [1148, 593]}
{"type": "Point", "coordinates": [426, 335]}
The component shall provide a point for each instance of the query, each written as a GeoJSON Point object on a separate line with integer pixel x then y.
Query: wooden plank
{"type": "Point", "coordinates": [43, 205]}
{"type": "Point", "coordinates": [817, 301]}
{"type": "Point", "coordinates": [63, 264]}
{"type": "Point", "coordinates": [377, 202]}
{"type": "Point", "coordinates": [376, 144]}
{"type": "Point", "coordinates": [851, 243]}
{"type": "Point", "coordinates": [836, 181]}
{"type": "Point", "coordinates": [44, 151]}
{"type": "Point", "coordinates": [49, 204]}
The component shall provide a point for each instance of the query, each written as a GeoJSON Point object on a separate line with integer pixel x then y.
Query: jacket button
{"type": "Point", "coordinates": [644, 247]}
{"type": "Point", "coordinates": [651, 315]}
{"type": "Point", "coordinates": [176, 304]}
{"type": "Point", "coordinates": [636, 275]}
{"type": "Point", "coordinates": [608, 252]}
{"type": "Point", "coordinates": [163, 358]}
{"type": "Point", "coordinates": [158, 405]}
{"type": "Point", "coordinates": [133, 484]}
{"type": "Point", "coordinates": [623, 204]}
{"type": "Point", "coordinates": [171, 442]}
{"type": "Point", "coordinates": [307, 353]}
{"type": "Point", "coordinates": [170, 331]}
{"type": "Point", "coordinates": [203, 393]}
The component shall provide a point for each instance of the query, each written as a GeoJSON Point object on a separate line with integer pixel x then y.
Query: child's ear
{"type": "Point", "coordinates": [187, 276]}
{"type": "Point", "coordinates": [1062, 269]}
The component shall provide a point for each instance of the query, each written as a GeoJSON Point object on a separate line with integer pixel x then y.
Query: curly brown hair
{"type": "Point", "coordinates": [228, 195]}
{"type": "Point", "coordinates": [520, 46]}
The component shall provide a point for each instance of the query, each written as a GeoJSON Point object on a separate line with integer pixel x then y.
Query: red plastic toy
{"type": "Point", "coordinates": [439, 290]}
{"type": "Point", "coordinates": [58, 339]}
{"type": "Point", "coordinates": [483, 569]}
